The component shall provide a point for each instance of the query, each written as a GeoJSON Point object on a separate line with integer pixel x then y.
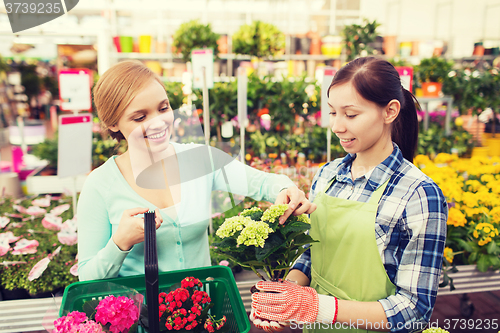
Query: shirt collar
{"type": "Point", "coordinates": [378, 176]}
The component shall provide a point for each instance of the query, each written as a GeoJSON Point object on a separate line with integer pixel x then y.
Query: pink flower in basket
{"type": "Point", "coordinates": [70, 322]}
{"type": "Point", "coordinates": [90, 327]}
{"type": "Point", "coordinates": [25, 246]}
{"type": "Point", "coordinates": [120, 312]}
{"type": "Point", "coordinates": [52, 222]}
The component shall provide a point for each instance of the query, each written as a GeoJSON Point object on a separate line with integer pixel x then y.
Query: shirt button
{"type": "Point", "coordinates": [180, 259]}
{"type": "Point", "coordinates": [178, 243]}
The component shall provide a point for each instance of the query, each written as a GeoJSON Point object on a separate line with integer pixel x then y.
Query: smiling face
{"type": "Point", "coordinates": [148, 118]}
{"type": "Point", "coordinates": [361, 125]}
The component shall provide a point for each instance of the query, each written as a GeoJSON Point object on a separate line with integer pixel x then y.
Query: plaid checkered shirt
{"type": "Point", "coordinates": [410, 230]}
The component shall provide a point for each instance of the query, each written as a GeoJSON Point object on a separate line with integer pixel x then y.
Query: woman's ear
{"type": "Point", "coordinates": [114, 128]}
{"type": "Point", "coordinates": [391, 111]}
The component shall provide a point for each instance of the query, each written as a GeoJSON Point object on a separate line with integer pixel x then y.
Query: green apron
{"type": "Point", "coordinates": [346, 262]}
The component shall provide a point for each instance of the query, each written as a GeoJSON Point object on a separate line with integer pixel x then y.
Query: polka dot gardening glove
{"type": "Point", "coordinates": [285, 301]}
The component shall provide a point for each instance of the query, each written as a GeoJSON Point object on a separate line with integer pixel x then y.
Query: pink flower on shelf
{"type": "Point", "coordinates": [52, 222]}
{"type": "Point", "coordinates": [19, 216]}
{"type": "Point", "coordinates": [68, 234]}
{"type": "Point", "coordinates": [74, 270]}
{"type": "Point", "coordinates": [67, 239]}
{"type": "Point", "coordinates": [35, 210]}
{"type": "Point", "coordinates": [120, 312]}
{"type": "Point", "coordinates": [25, 246]}
{"type": "Point", "coordinates": [4, 221]}
{"type": "Point", "coordinates": [4, 246]}
{"type": "Point", "coordinates": [9, 236]}
{"type": "Point", "coordinates": [69, 323]}
{"type": "Point", "coordinates": [38, 269]}
{"type": "Point", "coordinates": [90, 327]}
{"type": "Point", "coordinates": [42, 202]}
{"type": "Point", "coordinates": [19, 208]}
{"type": "Point", "coordinates": [60, 209]}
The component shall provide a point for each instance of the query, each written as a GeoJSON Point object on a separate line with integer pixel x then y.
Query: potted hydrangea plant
{"type": "Point", "coordinates": [255, 240]}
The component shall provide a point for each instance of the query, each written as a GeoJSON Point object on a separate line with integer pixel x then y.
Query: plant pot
{"type": "Point", "coordinates": [494, 145]}
{"type": "Point", "coordinates": [145, 44]}
{"type": "Point", "coordinates": [480, 151]}
{"type": "Point", "coordinates": [431, 89]}
{"type": "Point", "coordinates": [126, 44]}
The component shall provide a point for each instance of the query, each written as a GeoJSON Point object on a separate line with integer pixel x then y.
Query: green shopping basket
{"type": "Point", "coordinates": [218, 282]}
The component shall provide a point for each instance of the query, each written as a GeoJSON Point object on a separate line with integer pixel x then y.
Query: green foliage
{"type": "Point", "coordinates": [258, 39]}
{"type": "Point", "coordinates": [195, 35]}
{"type": "Point", "coordinates": [472, 89]}
{"type": "Point", "coordinates": [434, 69]}
{"type": "Point", "coordinates": [47, 150]}
{"type": "Point", "coordinates": [4, 67]}
{"type": "Point", "coordinates": [51, 84]}
{"type": "Point", "coordinates": [357, 37]}
{"type": "Point", "coordinates": [57, 274]}
{"type": "Point", "coordinates": [435, 141]}
{"type": "Point", "coordinates": [30, 80]}
{"type": "Point", "coordinates": [175, 94]}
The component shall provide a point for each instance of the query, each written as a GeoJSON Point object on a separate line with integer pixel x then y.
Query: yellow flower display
{"type": "Point", "coordinates": [448, 254]}
{"type": "Point", "coordinates": [472, 189]}
{"type": "Point", "coordinates": [484, 232]}
{"type": "Point", "coordinates": [456, 218]}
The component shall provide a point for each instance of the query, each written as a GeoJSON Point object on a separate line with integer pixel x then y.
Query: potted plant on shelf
{"type": "Point", "coordinates": [431, 73]}
{"type": "Point", "coordinates": [259, 39]}
{"type": "Point", "coordinates": [359, 38]}
{"type": "Point", "coordinates": [195, 35]}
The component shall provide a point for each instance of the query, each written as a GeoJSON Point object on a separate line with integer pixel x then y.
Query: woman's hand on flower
{"type": "Point", "coordinates": [297, 202]}
{"type": "Point", "coordinates": [286, 302]}
{"type": "Point", "coordinates": [130, 231]}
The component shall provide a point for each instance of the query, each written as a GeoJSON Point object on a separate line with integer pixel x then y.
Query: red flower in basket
{"type": "Point", "coordinates": [186, 308]}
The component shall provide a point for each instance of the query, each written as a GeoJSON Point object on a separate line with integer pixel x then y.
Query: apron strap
{"type": "Point", "coordinates": [377, 194]}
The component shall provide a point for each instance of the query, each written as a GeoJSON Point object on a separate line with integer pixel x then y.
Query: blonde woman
{"type": "Point", "coordinates": [133, 105]}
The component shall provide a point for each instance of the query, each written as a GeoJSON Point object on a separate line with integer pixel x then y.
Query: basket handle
{"type": "Point", "coordinates": [151, 271]}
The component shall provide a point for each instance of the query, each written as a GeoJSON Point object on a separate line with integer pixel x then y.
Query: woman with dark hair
{"type": "Point", "coordinates": [380, 222]}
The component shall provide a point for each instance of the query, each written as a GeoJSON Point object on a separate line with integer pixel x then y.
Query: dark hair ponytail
{"type": "Point", "coordinates": [377, 80]}
{"type": "Point", "coordinates": [405, 127]}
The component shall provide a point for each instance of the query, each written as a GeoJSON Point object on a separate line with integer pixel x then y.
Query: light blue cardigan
{"type": "Point", "coordinates": [182, 242]}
